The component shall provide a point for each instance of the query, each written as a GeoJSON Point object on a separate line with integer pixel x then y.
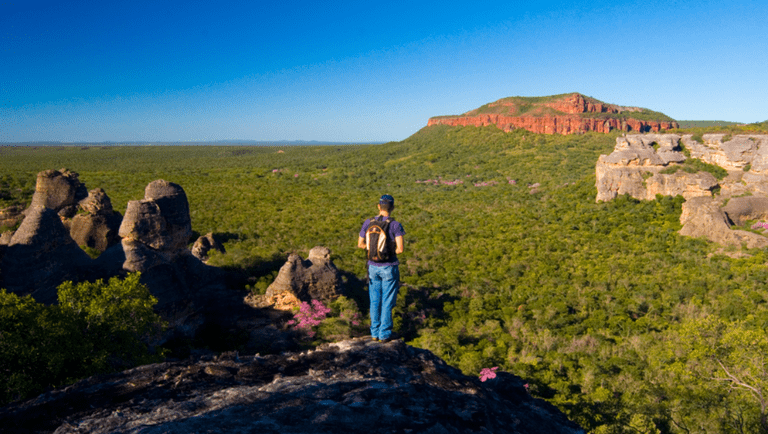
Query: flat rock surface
{"type": "Point", "coordinates": [349, 386]}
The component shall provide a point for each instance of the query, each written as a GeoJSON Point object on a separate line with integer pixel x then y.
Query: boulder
{"type": "Point", "coordinates": [741, 209]}
{"type": "Point", "coordinates": [156, 228]}
{"type": "Point", "coordinates": [703, 217]}
{"type": "Point", "coordinates": [680, 183]}
{"type": "Point", "coordinates": [96, 225]}
{"type": "Point", "coordinates": [60, 190]}
{"type": "Point", "coordinates": [205, 244]}
{"type": "Point", "coordinates": [41, 255]}
{"type": "Point", "coordinates": [10, 216]}
{"type": "Point", "coordinates": [97, 231]}
{"type": "Point", "coordinates": [344, 387]}
{"type": "Point", "coordinates": [301, 280]}
{"type": "Point", "coordinates": [97, 203]}
{"type": "Point", "coordinates": [5, 238]}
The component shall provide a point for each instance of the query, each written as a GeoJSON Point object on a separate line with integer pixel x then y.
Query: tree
{"type": "Point", "coordinates": [730, 360]}
{"type": "Point", "coordinates": [97, 327]}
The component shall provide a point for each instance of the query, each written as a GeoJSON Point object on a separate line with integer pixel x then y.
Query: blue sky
{"type": "Point", "coordinates": [360, 71]}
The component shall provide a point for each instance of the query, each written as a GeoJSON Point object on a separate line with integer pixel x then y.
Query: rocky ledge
{"type": "Point", "coordinates": [646, 165]}
{"type": "Point", "coordinates": [560, 114]}
{"type": "Point", "coordinates": [349, 386]}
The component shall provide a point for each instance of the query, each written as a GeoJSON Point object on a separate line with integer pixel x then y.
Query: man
{"type": "Point", "coordinates": [383, 277]}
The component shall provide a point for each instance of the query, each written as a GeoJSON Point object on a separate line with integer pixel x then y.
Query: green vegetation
{"type": "Point", "coordinates": [601, 307]}
{"type": "Point", "coordinates": [731, 129]}
{"type": "Point", "coordinates": [96, 327]}
{"type": "Point", "coordinates": [705, 124]}
{"type": "Point", "coordinates": [694, 165]}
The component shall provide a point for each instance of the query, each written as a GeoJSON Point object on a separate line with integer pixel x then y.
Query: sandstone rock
{"type": "Point", "coordinates": [97, 231]}
{"type": "Point", "coordinates": [205, 244]}
{"type": "Point", "coordinates": [349, 386]}
{"type": "Point", "coordinates": [97, 203]}
{"type": "Point", "coordinates": [636, 164]}
{"type": "Point", "coordinates": [5, 238]}
{"type": "Point", "coordinates": [562, 116]}
{"type": "Point", "coordinates": [680, 183]}
{"type": "Point", "coordinates": [158, 226]}
{"type": "Point", "coordinates": [41, 255]}
{"type": "Point", "coordinates": [59, 190]}
{"type": "Point", "coordinates": [741, 209]}
{"type": "Point", "coordinates": [733, 154]}
{"type": "Point", "coordinates": [10, 216]}
{"type": "Point", "coordinates": [299, 280]}
{"type": "Point", "coordinates": [702, 217]}
{"type": "Point", "coordinates": [99, 227]}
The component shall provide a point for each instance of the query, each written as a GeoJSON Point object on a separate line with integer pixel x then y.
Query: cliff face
{"type": "Point", "coordinates": [568, 114]}
{"type": "Point", "coordinates": [644, 166]}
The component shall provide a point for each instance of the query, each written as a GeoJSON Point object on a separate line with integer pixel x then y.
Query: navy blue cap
{"type": "Point", "coordinates": [387, 199]}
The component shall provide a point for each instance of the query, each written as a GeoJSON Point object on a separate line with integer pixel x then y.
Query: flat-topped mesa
{"type": "Point", "coordinates": [559, 114]}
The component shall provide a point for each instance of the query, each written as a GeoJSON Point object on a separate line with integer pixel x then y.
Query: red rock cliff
{"type": "Point", "coordinates": [566, 114]}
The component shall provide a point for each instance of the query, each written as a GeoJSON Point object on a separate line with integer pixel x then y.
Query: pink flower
{"type": "Point", "coordinates": [275, 170]}
{"type": "Point", "coordinates": [296, 175]}
{"type": "Point", "coordinates": [487, 374]}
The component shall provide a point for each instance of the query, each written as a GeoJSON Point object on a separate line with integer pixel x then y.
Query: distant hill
{"type": "Point", "coordinates": [571, 113]}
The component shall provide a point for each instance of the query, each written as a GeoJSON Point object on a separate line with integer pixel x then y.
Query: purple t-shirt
{"type": "Point", "coordinates": [395, 230]}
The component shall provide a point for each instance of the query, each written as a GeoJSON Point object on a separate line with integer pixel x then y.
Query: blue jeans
{"type": "Point", "coordinates": [384, 282]}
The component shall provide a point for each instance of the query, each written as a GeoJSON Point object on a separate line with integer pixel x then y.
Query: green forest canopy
{"type": "Point", "coordinates": [509, 260]}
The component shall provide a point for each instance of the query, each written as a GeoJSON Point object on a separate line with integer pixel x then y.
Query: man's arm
{"type": "Point", "coordinates": [361, 242]}
{"type": "Point", "coordinates": [400, 244]}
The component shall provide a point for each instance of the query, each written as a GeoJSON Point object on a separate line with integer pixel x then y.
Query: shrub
{"type": "Point", "coordinates": [97, 327]}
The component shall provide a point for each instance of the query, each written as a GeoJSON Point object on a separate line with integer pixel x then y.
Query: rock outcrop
{"type": "Point", "coordinates": [41, 254]}
{"type": "Point", "coordinates": [205, 244]}
{"type": "Point", "coordinates": [10, 216]}
{"type": "Point", "coordinates": [741, 209]}
{"type": "Point", "coordinates": [636, 166]}
{"type": "Point", "coordinates": [299, 280]}
{"type": "Point", "coordinates": [644, 166]}
{"type": "Point", "coordinates": [563, 114]}
{"type": "Point", "coordinates": [196, 300]}
{"type": "Point", "coordinates": [349, 386]}
{"type": "Point", "coordinates": [60, 190]}
{"type": "Point", "coordinates": [97, 227]}
{"type": "Point", "coordinates": [703, 217]}
{"type": "Point", "coordinates": [156, 230]}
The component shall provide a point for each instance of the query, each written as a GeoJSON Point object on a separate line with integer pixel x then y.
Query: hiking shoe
{"type": "Point", "coordinates": [392, 337]}
{"type": "Point", "coordinates": [370, 338]}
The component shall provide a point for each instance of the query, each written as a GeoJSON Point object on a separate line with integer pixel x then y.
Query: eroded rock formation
{"type": "Point", "coordinates": [41, 254]}
{"type": "Point", "coordinates": [644, 166]}
{"type": "Point", "coordinates": [59, 190]}
{"type": "Point", "coordinates": [703, 217]}
{"type": "Point", "coordinates": [299, 280]}
{"type": "Point", "coordinates": [156, 230]}
{"type": "Point", "coordinates": [10, 216]}
{"type": "Point", "coordinates": [349, 386]}
{"type": "Point", "coordinates": [97, 227]}
{"type": "Point", "coordinates": [635, 167]}
{"type": "Point", "coordinates": [205, 244]}
{"type": "Point", "coordinates": [568, 114]}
